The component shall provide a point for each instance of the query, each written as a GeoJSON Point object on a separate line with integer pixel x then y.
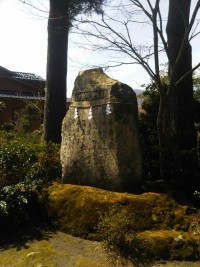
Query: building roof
{"type": "Point", "coordinates": [20, 75]}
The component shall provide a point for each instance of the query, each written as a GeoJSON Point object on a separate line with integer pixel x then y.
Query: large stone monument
{"type": "Point", "coordinates": [100, 145]}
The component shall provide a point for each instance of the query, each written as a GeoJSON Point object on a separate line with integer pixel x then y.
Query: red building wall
{"type": "Point", "coordinates": [16, 91]}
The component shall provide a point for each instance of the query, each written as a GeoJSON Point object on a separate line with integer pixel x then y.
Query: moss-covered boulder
{"type": "Point", "coordinates": [150, 222]}
{"type": "Point", "coordinates": [168, 244]}
{"type": "Point", "coordinates": [77, 209]}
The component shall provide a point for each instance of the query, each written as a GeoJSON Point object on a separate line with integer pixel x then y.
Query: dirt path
{"type": "Point", "coordinates": [59, 250]}
{"type": "Point", "coordinates": [62, 250]}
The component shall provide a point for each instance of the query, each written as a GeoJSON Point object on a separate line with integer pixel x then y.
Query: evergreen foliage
{"type": "Point", "coordinates": [84, 6]}
{"type": "Point", "coordinates": [25, 164]}
{"type": "Point", "coordinates": [2, 106]}
{"type": "Point", "coordinates": [149, 135]}
{"type": "Point", "coordinates": [23, 159]}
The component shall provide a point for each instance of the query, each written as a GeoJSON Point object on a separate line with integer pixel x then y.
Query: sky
{"type": "Point", "coordinates": [23, 47]}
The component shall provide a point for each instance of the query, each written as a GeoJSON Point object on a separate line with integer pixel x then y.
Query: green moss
{"type": "Point", "coordinates": [77, 209]}
{"type": "Point", "coordinates": [144, 225]}
{"type": "Point", "coordinates": [41, 253]}
{"type": "Point", "coordinates": [83, 262]}
{"type": "Point", "coordinates": [171, 245]}
{"type": "Point", "coordinates": [58, 249]}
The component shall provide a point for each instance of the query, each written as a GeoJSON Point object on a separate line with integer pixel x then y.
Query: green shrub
{"type": "Point", "coordinates": [30, 114]}
{"type": "Point", "coordinates": [24, 160]}
{"type": "Point", "coordinates": [16, 205]}
{"type": "Point", "coordinates": [8, 126]}
{"type": "Point", "coordinates": [24, 164]}
{"type": "Point", "coordinates": [48, 166]}
{"type": "Point", "coordinates": [17, 162]}
{"type": "Point", "coordinates": [31, 138]}
{"type": "Point", "coordinates": [196, 193]}
{"type": "Point", "coordinates": [2, 106]}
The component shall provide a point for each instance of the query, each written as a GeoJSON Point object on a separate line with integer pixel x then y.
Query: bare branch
{"type": "Point", "coordinates": [186, 74]}
{"type": "Point", "coordinates": [155, 36]}
{"type": "Point", "coordinates": [33, 6]}
{"type": "Point", "coordinates": [118, 43]}
{"type": "Point", "coordinates": [151, 7]}
{"type": "Point", "coordinates": [138, 4]}
{"type": "Point", "coordinates": [184, 44]}
{"type": "Point", "coordinates": [160, 32]}
{"type": "Point", "coordinates": [128, 33]}
{"type": "Point", "coordinates": [118, 38]}
{"type": "Point", "coordinates": [194, 33]}
{"type": "Point", "coordinates": [192, 37]}
{"type": "Point", "coordinates": [185, 40]}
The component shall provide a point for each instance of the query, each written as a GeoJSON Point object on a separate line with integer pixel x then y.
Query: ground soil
{"type": "Point", "coordinates": [57, 249]}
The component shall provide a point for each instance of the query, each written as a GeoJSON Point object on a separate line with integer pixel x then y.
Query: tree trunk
{"type": "Point", "coordinates": [55, 102]}
{"type": "Point", "coordinates": [176, 130]}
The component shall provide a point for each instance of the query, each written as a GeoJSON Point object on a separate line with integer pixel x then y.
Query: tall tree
{"type": "Point", "coordinates": [176, 129]}
{"type": "Point", "coordinates": [61, 15]}
{"type": "Point", "coordinates": [55, 102]}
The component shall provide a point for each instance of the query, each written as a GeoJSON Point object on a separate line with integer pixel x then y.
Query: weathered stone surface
{"type": "Point", "coordinates": [100, 145]}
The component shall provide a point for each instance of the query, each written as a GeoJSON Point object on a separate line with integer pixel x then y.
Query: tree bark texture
{"type": "Point", "coordinates": [55, 102]}
{"type": "Point", "coordinates": [176, 130]}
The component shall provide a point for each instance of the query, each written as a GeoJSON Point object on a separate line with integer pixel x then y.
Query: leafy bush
{"type": "Point", "coordinates": [17, 162]}
{"type": "Point", "coordinates": [48, 166]}
{"type": "Point", "coordinates": [25, 120]}
{"type": "Point", "coordinates": [196, 193]}
{"type": "Point", "coordinates": [24, 164]}
{"type": "Point", "coordinates": [30, 114]}
{"type": "Point", "coordinates": [2, 106]}
{"type": "Point", "coordinates": [185, 163]}
{"type": "Point", "coordinates": [8, 126]}
{"type": "Point", "coordinates": [16, 205]}
{"type": "Point", "coordinates": [22, 160]}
